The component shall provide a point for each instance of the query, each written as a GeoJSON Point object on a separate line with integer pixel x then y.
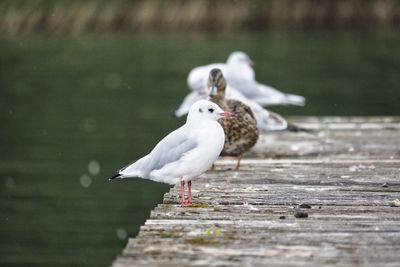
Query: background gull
{"type": "Point", "coordinates": [240, 75]}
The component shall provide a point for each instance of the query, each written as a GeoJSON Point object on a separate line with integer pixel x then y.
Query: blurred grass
{"type": "Point", "coordinates": [222, 16]}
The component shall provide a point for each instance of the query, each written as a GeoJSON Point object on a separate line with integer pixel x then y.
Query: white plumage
{"type": "Point", "coordinates": [186, 152]}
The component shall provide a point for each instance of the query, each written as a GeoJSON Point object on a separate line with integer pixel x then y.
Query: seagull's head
{"type": "Point", "coordinates": [239, 57]}
{"type": "Point", "coordinates": [216, 83]}
{"type": "Point", "coordinates": [206, 110]}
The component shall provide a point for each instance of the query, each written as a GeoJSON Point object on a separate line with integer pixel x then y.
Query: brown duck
{"type": "Point", "coordinates": [241, 132]}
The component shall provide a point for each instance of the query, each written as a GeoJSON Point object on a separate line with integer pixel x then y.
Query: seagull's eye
{"type": "Point", "coordinates": [211, 110]}
{"type": "Point", "coordinates": [200, 110]}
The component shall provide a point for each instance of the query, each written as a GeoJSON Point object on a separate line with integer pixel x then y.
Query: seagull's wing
{"type": "Point", "coordinates": [171, 149]}
{"type": "Point", "coordinates": [249, 88]}
{"type": "Point", "coordinates": [266, 120]}
{"type": "Point", "coordinates": [276, 97]}
{"type": "Point", "coordinates": [264, 94]}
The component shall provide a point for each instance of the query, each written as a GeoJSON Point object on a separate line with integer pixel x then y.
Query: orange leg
{"type": "Point", "coordinates": [238, 162]}
{"type": "Point", "coordinates": [183, 193]}
{"type": "Point", "coordinates": [189, 192]}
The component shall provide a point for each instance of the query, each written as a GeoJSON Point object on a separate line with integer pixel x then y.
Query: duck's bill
{"type": "Point", "coordinates": [226, 114]}
{"type": "Point", "coordinates": [213, 90]}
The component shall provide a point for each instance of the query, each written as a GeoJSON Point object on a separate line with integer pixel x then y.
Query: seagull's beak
{"type": "Point", "coordinates": [226, 114]}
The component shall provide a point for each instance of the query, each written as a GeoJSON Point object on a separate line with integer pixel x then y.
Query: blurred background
{"type": "Point", "coordinates": [86, 87]}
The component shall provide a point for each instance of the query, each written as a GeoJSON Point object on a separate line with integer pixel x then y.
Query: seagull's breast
{"type": "Point", "coordinates": [210, 138]}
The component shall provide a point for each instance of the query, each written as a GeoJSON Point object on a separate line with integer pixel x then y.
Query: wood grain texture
{"type": "Point", "coordinates": [347, 172]}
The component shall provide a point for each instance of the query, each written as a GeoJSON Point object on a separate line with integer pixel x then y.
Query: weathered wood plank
{"type": "Point", "coordinates": [335, 137]}
{"type": "Point", "coordinates": [347, 172]}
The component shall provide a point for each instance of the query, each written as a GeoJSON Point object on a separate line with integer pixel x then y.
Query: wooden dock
{"type": "Point", "coordinates": [321, 199]}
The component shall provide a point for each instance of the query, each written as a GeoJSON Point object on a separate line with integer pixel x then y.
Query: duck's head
{"type": "Point", "coordinates": [216, 83]}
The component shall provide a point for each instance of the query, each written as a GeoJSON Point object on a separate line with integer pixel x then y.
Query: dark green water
{"type": "Point", "coordinates": [72, 111]}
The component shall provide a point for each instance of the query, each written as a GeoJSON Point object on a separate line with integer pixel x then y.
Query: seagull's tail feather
{"type": "Point", "coordinates": [115, 177]}
{"type": "Point", "coordinates": [297, 100]}
{"type": "Point", "coordinates": [136, 169]}
{"type": "Point", "coordinates": [275, 122]}
{"type": "Point", "coordinates": [132, 170]}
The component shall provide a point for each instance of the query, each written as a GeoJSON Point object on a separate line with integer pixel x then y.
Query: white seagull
{"type": "Point", "coordinates": [240, 75]}
{"type": "Point", "coordinates": [186, 152]}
